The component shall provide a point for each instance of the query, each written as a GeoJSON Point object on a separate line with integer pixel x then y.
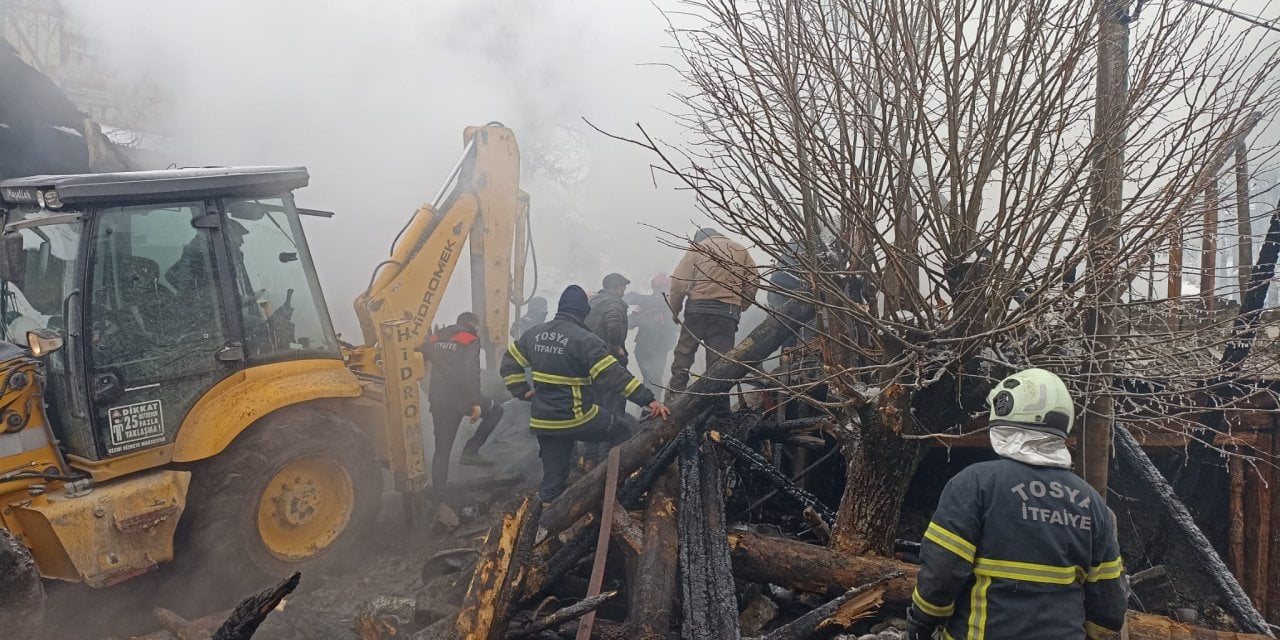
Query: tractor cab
{"type": "Point", "coordinates": [143, 290]}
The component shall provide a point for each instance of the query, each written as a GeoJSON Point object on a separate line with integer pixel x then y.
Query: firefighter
{"type": "Point", "coordinates": [454, 393]}
{"type": "Point", "coordinates": [1021, 547]}
{"type": "Point", "coordinates": [570, 368]}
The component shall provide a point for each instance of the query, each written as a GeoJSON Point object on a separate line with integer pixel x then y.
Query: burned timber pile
{"type": "Point", "coordinates": [674, 560]}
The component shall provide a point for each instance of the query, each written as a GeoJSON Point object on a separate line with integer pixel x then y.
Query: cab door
{"type": "Point", "coordinates": [158, 333]}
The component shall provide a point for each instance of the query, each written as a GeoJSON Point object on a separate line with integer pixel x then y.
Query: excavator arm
{"type": "Point", "coordinates": [481, 201]}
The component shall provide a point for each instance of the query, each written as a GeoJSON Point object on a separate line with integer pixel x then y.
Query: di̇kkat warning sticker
{"type": "Point", "coordinates": [135, 426]}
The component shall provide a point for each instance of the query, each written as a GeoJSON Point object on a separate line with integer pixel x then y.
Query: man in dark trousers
{"type": "Point", "coordinates": [571, 370]}
{"type": "Point", "coordinates": [715, 280]}
{"type": "Point", "coordinates": [453, 391]}
{"type": "Point", "coordinates": [1021, 547]}
{"type": "Point", "coordinates": [655, 335]}
{"type": "Point", "coordinates": [608, 320]}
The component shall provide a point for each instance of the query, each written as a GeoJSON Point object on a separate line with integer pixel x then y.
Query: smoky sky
{"type": "Point", "coordinates": [373, 96]}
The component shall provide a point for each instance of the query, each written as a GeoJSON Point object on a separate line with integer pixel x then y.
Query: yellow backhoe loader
{"type": "Point", "coordinates": [171, 384]}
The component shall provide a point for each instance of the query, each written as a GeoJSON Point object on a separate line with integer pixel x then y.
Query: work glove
{"type": "Point", "coordinates": [475, 414]}
{"type": "Point", "coordinates": [918, 626]}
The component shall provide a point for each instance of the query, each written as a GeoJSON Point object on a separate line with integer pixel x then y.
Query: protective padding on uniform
{"type": "Point", "coordinates": [1033, 399]}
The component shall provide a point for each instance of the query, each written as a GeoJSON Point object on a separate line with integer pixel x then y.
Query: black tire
{"type": "Point", "coordinates": [22, 597]}
{"type": "Point", "coordinates": [220, 527]}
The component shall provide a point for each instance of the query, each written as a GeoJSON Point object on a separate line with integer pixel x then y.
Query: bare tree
{"type": "Point", "coordinates": [925, 167]}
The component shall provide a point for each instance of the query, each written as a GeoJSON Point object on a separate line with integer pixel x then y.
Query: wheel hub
{"type": "Point", "coordinates": [305, 507]}
{"type": "Point", "coordinates": [297, 505]}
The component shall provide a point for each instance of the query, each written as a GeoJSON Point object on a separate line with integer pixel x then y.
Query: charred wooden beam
{"type": "Point", "coordinates": [653, 591]}
{"type": "Point", "coordinates": [582, 496]}
{"type": "Point", "coordinates": [808, 567]}
{"type": "Point", "coordinates": [484, 611]}
{"type": "Point", "coordinates": [809, 623]}
{"type": "Point", "coordinates": [250, 613]}
{"type": "Point", "coordinates": [772, 476]}
{"type": "Point", "coordinates": [1236, 601]}
{"type": "Point", "coordinates": [706, 576]}
{"type": "Point", "coordinates": [567, 614]}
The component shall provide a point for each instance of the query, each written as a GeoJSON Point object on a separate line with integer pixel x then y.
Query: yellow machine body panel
{"type": "Point", "coordinates": [241, 399]}
{"type": "Point", "coordinates": [120, 530]}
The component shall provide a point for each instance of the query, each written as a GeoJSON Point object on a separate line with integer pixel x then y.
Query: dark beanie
{"type": "Point", "coordinates": [574, 302]}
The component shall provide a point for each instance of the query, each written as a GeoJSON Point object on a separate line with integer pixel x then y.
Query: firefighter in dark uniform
{"type": "Point", "coordinates": [570, 367]}
{"type": "Point", "coordinates": [1021, 547]}
{"type": "Point", "coordinates": [454, 393]}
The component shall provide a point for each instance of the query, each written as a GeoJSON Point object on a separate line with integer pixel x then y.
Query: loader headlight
{"type": "Point", "coordinates": [43, 341]}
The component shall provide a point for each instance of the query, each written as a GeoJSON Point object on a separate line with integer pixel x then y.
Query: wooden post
{"type": "Point", "coordinates": [1209, 247]}
{"type": "Point", "coordinates": [484, 612]}
{"type": "Point", "coordinates": [1244, 226]}
{"type": "Point", "coordinates": [1106, 197]}
{"type": "Point", "coordinates": [1273, 567]}
{"type": "Point", "coordinates": [1257, 507]}
{"type": "Point", "coordinates": [1235, 510]}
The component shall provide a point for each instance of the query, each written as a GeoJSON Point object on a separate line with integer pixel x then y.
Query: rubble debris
{"type": "Point", "coordinates": [864, 598]}
{"type": "Point", "coordinates": [757, 614]}
{"type": "Point", "coordinates": [773, 477]}
{"type": "Point", "coordinates": [585, 606]}
{"type": "Point", "coordinates": [1247, 617]}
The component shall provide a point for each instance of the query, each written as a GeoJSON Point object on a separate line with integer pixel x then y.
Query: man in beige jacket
{"type": "Point", "coordinates": [713, 283]}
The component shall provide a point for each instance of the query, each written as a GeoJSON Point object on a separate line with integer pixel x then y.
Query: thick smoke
{"type": "Point", "coordinates": [373, 97]}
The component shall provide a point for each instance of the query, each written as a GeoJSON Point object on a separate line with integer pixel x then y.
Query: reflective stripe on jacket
{"type": "Point", "coordinates": [1020, 551]}
{"type": "Point", "coordinates": [569, 367]}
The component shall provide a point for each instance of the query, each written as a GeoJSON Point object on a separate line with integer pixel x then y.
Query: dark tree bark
{"type": "Point", "coordinates": [879, 467]}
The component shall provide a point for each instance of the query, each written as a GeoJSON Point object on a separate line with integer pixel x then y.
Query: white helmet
{"type": "Point", "coordinates": [1032, 399]}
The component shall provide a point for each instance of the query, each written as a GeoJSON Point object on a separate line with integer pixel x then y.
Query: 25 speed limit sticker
{"type": "Point", "coordinates": [135, 426]}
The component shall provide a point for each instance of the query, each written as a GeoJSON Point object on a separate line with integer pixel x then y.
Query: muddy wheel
{"type": "Point", "coordinates": [21, 592]}
{"type": "Point", "coordinates": [294, 491]}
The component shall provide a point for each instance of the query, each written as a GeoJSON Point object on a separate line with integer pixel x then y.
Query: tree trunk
{"type": "Point", "coordinates": [880, 465]}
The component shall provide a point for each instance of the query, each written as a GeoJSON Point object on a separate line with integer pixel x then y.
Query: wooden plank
{"type": "Point", "coordinates": [602, 542]}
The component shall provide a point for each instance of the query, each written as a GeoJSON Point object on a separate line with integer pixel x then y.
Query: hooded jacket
{"type": "Point", "coordinates": [718, 271]}
{"type": "Point", "coordinates": [454, 355]}
{"type": "Point", "coordinates": [1021, 547]}
{"type": "Point", "coordinates": [569, 366]}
